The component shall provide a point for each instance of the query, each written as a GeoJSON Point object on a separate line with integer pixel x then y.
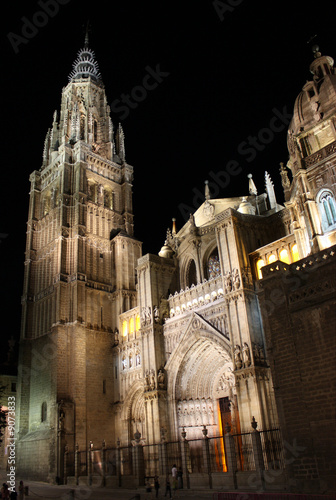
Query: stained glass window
{"type": "Point", "coordinates": [213, 265]}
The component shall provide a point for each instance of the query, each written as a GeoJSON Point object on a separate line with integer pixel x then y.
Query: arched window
{"type": "Point", "coordinates": [108, 199]}
{"type": "Point", "coordinates": [131, 325]}
{"type": "Point", "coordinates": [124, 328]}
{"type": "Point", "coordinates": [272, 258]}
{"type": "Point", "coordinates": [137, 323]}
{"type": "Point", "coordinates": [191, 274]}
{"type": "Point", "coordinates": [213, 265]}
{"type": "Point", "coordinates": [44, 412]}
{"type": "Point", "coordinates": [283, 256]}
{"type": "Point", "coordinates": [260, 264]}
{"type": "Point", "coordinates": [295, 252]}
{"type": "Point", "coordinates": [327, 207]}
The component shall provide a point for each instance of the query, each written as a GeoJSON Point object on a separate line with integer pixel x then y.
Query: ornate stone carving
{"type": "Point", "coordinates": [208, 210]}
{"type": "Point", "coordinates": [152, 380]}
{"type": "Point", "coordinates": [146, 315]}
{"type": "Point", "coordinates": [235, 279]}
{"type": "Point", "coordinates": [228, 282]}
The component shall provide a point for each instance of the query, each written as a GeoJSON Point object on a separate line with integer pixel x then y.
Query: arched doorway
{"type": "Point", "coordinates": [202, 389]}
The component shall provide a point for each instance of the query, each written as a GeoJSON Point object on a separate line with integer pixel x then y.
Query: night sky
{"type": "Point", "coordinates": [224, 70]}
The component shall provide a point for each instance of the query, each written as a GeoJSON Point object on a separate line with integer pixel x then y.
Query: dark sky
{"type": "Point", "coordinates": [226, 69]}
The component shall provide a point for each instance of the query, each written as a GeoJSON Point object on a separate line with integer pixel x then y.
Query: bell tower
{"type": "Point", "coordinates": [79, 276]}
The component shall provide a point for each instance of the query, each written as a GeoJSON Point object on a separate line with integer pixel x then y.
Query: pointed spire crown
{"type": "Point", "coordinates": [85, 65]}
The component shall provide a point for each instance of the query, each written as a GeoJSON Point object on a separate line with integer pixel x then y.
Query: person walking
{"type": "Point", "coordinates": [174, 475]}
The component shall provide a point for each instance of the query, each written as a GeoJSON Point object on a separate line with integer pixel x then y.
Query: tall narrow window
{"type": "Point", "coordinates": [295, 252]}
{"type": "Point", "coordinates": [327, 209]}
{"type": "Point", "coordinates": [44, 412]}
{"type": "Point", "coordinates": [82, 127]}
{"type": "Point", "coordinates": [124, 328]}
{"type": "Point", "coordinates": [131, 325]}
{"type": "Point", "coordinates": [95, 131]}
{"type": "Point", "coordinates": [191, 274]}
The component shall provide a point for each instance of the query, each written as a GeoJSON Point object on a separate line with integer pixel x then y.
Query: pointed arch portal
{"type": "Point", "coordinates": [201, 380]}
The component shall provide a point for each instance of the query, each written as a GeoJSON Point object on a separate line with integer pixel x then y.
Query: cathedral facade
{"type": "Point", "coordinates": [114, 343]}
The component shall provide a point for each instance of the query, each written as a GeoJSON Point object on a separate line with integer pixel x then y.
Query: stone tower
{"type": "Point", "coordinates": [79, 276]}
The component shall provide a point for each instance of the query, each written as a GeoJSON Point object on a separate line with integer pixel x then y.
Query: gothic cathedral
{"type": "Point", "coordinates": [114, 343]}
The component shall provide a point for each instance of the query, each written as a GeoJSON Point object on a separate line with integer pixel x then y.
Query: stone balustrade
{"type": "Point", "coordinates": [196, 296]}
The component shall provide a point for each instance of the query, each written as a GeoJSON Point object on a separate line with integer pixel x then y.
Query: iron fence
{"type": "Point", "coordinates": [244, 451]}
{"type": "Point", "coordinates": [199, 456]}
{"type": "Point", "coordinates": [273, 453]}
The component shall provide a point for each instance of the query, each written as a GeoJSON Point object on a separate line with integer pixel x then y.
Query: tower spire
{"type": "Point", "coordinates": [87, 31]}
{"type": "Point", "coordinates": [85, 65]}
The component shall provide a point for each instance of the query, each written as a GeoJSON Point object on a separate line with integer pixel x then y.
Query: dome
{"type": "Point", "coordinates": [166, 251]}
{"type": "Point", "coordinates": [245, 207]}
{"type": "Point", "coordinates": [317, 100]}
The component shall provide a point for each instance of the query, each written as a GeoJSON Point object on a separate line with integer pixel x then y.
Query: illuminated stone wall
{"type": "Point", "coordinates": [300, 341]}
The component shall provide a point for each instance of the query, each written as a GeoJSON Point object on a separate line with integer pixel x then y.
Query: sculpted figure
{"type": "Point", "coordinates": [228, 282]}
{"type": "Point", "coordinates": [152, 381]}
{"type": "Point", "coordinates": [237, 357]}
{"type": "Point", "coordinates": [147, 381]}
{"type": "Point", "coordinates": [161, 379]}
{"type": "Point", "coordinates": [236, 279]}
{"type": "Point", "coordinates": [156, 314]}
{"type": "Point", "coordinates": [246, 355]}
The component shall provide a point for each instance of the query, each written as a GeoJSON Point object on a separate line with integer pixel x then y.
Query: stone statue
{"type": "Point", "coordinates": [237, 357]}
{"type": "Point", "coordinates": [148, 314]}
{"type": "Point", "coordinates": [228, 282]}
{"type": "Point", "coordinates": [161, 379]}
{"type": "Point", "coordinates": [152, 381]}
{"type": "Point", "coordinates": [147, 381]}
{"type": "Point", "coordinates": [236, 279]}
{"type": "Point", "coordinates": [156, 314]}
{"type": "Point", "coordinates": [246, 355]}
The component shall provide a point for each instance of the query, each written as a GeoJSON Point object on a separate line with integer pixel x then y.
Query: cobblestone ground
{"type": "Point", "coordinates": [44, 491]}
